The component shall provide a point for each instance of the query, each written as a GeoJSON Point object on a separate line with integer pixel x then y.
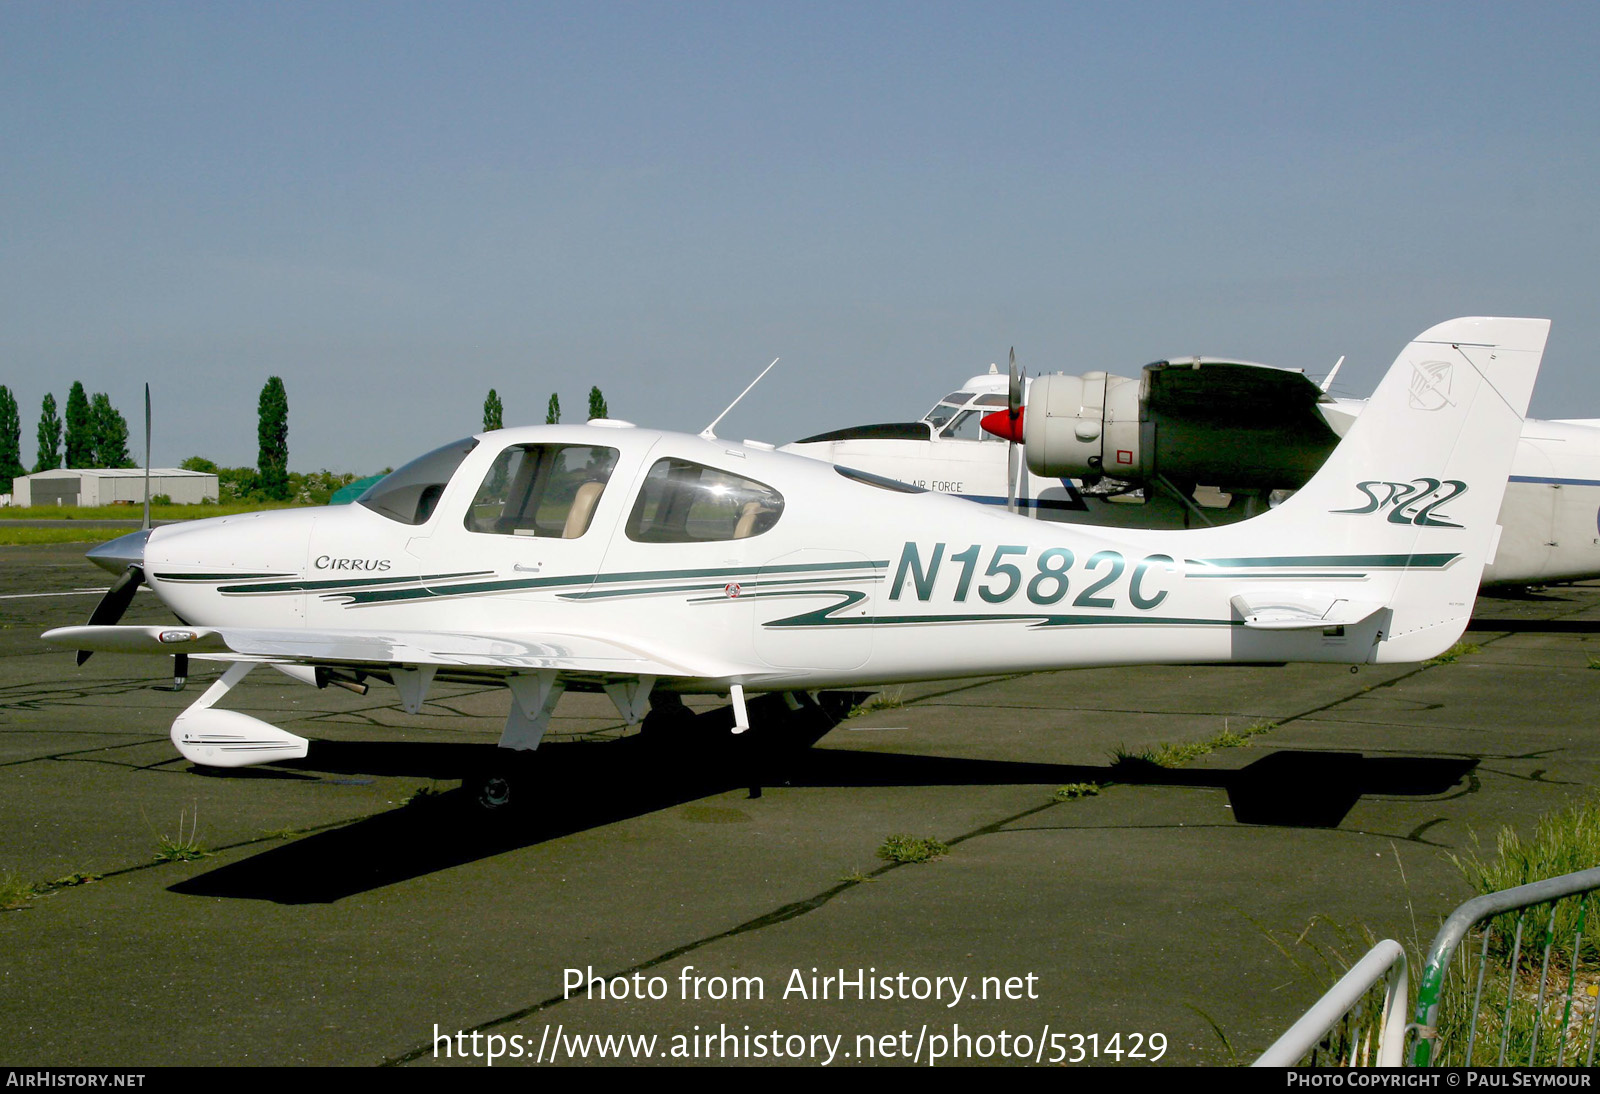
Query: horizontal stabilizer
{"type": "Point", "coordinates": [1272, 610]}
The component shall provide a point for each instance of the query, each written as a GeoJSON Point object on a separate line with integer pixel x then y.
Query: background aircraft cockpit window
{"type": "Point", "coordinates": [947, 407]}
{"type": "Point", "coordinates": [545, 490]}
{"type": "Point", "coordinates": [968, 425]}
{"type": "Point", "coordinates": [409, 494]}
{"type": "Point", "coordinates": [683, 502]}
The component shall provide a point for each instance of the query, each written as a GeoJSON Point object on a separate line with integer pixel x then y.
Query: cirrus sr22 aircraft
{"type": "Point", "coordinates": [652, 565]}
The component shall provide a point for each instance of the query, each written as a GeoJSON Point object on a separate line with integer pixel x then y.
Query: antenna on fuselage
{"type": "Point", "coordinates": [146, 457]}
{"type": "Point", "coordinates": [1327, 381]}
{"type": "Point", "coordinates": [709, 432]}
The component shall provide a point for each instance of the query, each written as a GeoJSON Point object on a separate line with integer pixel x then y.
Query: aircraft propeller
{"type": "Point", "coordinates": [1014, 421]}
{"type": "Point", "coordinates": [123, 556]}
{"type": "Point", "coordinates": [114, 603]}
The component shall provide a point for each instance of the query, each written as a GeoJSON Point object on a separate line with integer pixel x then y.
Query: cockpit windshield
{"type": "Point", "coordinates": [409, 494]}
{"type": "Point", "coordinates": [946, 408]}
{"type": "Point", "coordinates": [951, 420]}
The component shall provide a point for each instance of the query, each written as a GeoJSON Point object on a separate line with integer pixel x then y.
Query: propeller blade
{"type": "Point", "coordinates": [114, 603]}
{"type": "Point", "coordinates": [1011, 477]}
{"type": "Point", "coordinates": [146, 525]}
{"type": "Point", "coordinates": [1013, 431]}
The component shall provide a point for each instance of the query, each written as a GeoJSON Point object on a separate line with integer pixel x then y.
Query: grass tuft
{"type": "Point", "coordinates": [1177, 755]}
{"type": "Point", "coordinates": [1074, 791]}
{"type": "Point", "coordinates": [80, 877]}
{"type": "Point", "coordinates": [887, 699]}
{"type": "Point", "coordinates": [1563, 842]}
{"type": "Point", "coordinates": [183, 846]}
{"type": "Point", "coordinates": [15, 892]}
{"type": "Point", "coordinates": [424, 796]}
{"type": "Point", "coordinates": [903, 848]}
{"type": "Point", "coordinates": [1455, 653]}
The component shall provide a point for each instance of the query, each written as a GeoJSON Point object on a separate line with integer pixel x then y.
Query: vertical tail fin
{"type": "Point", "coordinates": [1409, 501]}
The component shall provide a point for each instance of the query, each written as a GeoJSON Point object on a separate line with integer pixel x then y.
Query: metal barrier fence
{"type": "Point", "coordinates": [1530, 968]}
{"type": "Point", "coordinates": [1343, 1028]}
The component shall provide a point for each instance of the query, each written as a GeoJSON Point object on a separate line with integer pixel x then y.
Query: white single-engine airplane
{"type": "Point", "coordinates": [651, 565]}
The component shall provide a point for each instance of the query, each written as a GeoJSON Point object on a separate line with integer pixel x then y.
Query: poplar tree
{"type": "Point", "coordinates": [109, 430]}
{"type": "Point", "coordinates": [597, 404]}
{"type": "Point", "coordinates": [10, 440]}
{"type": "Point", "coordinates": [80, 428]}
{"type": "Point", "coordinates": [49, 436]}
{"type": "Point", "coordinates": [273, 435]}
{"type": "Point", "coordinates": [492, 412]}
{"type": "Point", "coordinates": [552, 414]}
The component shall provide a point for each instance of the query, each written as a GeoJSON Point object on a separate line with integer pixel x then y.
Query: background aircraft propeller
{"type": "Point", "coordinates": [1014, 420]}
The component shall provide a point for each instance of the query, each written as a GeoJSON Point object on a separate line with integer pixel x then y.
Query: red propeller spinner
{"type": "Point", "coordinates": [1002, 425]}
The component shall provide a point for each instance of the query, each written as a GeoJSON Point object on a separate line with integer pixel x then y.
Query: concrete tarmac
{"type": "Point", "coordinates": [351, 908]}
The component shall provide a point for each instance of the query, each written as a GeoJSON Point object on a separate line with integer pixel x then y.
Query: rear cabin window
{"type": "Point", "coordinates": [683, 502]}
{"type": "Point", "coordinates": [542, 490]}
{"type": "Point", "coordinates": [409, 494]}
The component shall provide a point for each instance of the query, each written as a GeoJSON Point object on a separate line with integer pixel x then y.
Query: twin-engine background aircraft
{"type": "Point", "coordinates": [1201, 441]}
{"type": "Point", "coordinates": [651, 565]}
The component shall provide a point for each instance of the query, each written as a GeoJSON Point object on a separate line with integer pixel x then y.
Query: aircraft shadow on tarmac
{"type": "Point", "coordinates": [584, 784]}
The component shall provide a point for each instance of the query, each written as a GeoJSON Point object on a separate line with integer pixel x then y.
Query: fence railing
{"type": "Point", "coordinates": [1340, 1030]}
{"type": "Point", "coordinates": [1527, 992]}
{"type": "Point", "coordinates": [1530, 967]}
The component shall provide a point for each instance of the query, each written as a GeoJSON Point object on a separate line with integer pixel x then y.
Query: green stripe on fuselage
{"type": "Point", "coordinates": [479, 588]}
{"type": "Point", "coordinates": [1382, 562]}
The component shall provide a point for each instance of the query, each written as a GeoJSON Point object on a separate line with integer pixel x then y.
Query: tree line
{"type": "Point", "coordinates": [494, 410]}
{"type": "Point", "coordinates": [95, 434]}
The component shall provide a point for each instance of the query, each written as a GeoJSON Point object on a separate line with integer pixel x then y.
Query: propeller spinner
{"type": "Point", "coordinates": [123, 556]}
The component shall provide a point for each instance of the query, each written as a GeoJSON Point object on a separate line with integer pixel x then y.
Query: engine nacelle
{"type": "Point", "coordinates": [226, 738]}
{"type": "Point", "coordinates": [1084, 427]}
{"type": "Point", "coordinates": [1228, 424]}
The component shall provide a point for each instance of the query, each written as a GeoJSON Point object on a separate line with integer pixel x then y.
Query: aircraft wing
{"type": "Point", "coordinates": [491, 654]}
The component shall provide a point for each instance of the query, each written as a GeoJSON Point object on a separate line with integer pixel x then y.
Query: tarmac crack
{"type": "Point", "coordinates": [783, 914]}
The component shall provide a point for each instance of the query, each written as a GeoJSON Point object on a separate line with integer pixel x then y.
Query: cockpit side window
{"type": "Point", "coordinates": [683, 502]}
{"type": "Point", "coordinates": [542, 490]}
{"type": "Point", "coordinates": [410, 493]}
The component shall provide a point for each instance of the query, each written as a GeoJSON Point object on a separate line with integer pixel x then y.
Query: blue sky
{"type": "Point", "coordinates": [398, 206]}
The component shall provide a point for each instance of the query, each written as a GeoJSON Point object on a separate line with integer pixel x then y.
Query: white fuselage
{"type": "Point", "coordinates": [854, 583]}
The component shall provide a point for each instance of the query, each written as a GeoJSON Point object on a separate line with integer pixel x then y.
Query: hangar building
{"type": "Point", "coordinates": [108, 485]}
